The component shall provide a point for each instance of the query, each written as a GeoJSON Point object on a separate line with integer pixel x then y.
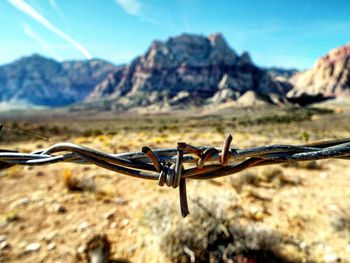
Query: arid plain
{"type": "Point", "coordinates": [297, 212]}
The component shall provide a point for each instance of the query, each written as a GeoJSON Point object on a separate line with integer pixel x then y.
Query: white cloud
{"type": "Point", "coordinates": [30, 11]}
{"type": "Point", "coordinates": [132, 7]}
{"type": "Point", "coordinates": [54, 5]}
{"type": "Point", "coordinates": [41, 41]}
{"type": "Point", "coordinates": [58, 10]}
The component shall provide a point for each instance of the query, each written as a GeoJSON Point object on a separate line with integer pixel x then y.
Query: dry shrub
{"type": "Point", "coordinates": [269, 174]}
{"type": "Point", "coordinates": [8, 217]}
{"type": "Point", "coordinates": [340, 220]}
{"type": "Point", "coordinates": [78, 182]}
{"type": "Point", "coordinates": [309, 165]}
{"type": "Point", "coordinates": [209, 235]}
{"type": "Point", "coordinates": [241, 179]}
{"type": "Point", "coordinates": [267, 177]}
{"type": "Point", "coordinates": [13, 172]}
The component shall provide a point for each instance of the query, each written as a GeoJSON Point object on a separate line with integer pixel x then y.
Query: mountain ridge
{"type": "Point", "coordinates": [184, 71]}
{"type": "Point", "coordinates": [42, 81]}
{"type": "Point", "coordinates": [187, 69]}
{"type": "Point", "coordinates": [328, 78]}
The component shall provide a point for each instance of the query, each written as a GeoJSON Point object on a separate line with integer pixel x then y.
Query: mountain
{"type": "Point", "coordinates": [36, 80]}
{"type": "Point", "coordinates": [281, 72]}
{"type": "Point", "coordinates": [329, 78]}
{"type": "Point", "coordinates": [183, 71]}
{"type": "Point", "coordinates": [186, 70]}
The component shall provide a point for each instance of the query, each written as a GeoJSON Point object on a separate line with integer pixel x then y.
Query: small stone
{"type": "Point", "coordinates": [19, 202]}
{"type": "Point", "coordinates": [24, 201]}
{"type": "Point", "coordinates": [119, 201]}
{"type": "Point", "coordinates": [83, 226]}
{"type": "Point", "coordinates": [114, 225]}
{"type": "Point", "coordinates": [331, 258]}
{"type": "Point", "coordinates": [256, 213]}
{"type": "Point", "coordinates": [40, 173]}
{"type": "Point", "coordinates": [109, 215]}
{"type": "Point", "coordinates": [81, 249]}
{"type": "Point", "coordinates": [48, 236]}
{"type": "Point", "coordinates": [22, 244]}
{"type": "Point", "coordinates": [38, 196]}
{"type": "Point", "coordinates": [33, 247]}
{"type": "Point", "coordinates": [125, 222]}
{"type": "Point", "coordinates": [58, 208]}
{"type": "Point", "coordinates": [261, 194]}
{"type": "Point", "coordinates": [302, 245]}
{"type": "Point", "coordinates": [4, 245]}
{"type": "Point", "coordinates": [51, 246]}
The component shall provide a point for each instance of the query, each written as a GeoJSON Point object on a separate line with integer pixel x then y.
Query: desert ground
{"type": "Point", "coordinates": [297, 212]}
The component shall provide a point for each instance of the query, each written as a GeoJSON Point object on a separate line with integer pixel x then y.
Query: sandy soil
{"type": "Point", "coordinates": [42, 221]}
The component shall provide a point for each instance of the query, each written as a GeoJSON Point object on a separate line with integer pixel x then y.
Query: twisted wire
{"type": "Point", "coordinates": [167, 166]}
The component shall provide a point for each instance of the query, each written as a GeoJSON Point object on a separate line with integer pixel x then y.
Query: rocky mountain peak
{"type": "Point", "coordinates": [194, 50]}
{"type": "Point", "coordinates": [330, 77]}
{"type": "Point", "coordinates": [217, 38]}
{"type": "Point", "coordinates": [336, 55]}
{"type": "Point", "coordinates": [245, 59]}
{"type": "Point", "coordinates": [186, 69]}
{"type": "Point", "coordinates": [34, 61]}
{"type": "Point", "coordinates": [218, 41]}
{"type": "Point", "coordinates": [34, 57]}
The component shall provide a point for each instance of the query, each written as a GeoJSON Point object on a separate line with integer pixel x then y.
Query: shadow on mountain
{"type": "Point", "coordinates": [306, 99]}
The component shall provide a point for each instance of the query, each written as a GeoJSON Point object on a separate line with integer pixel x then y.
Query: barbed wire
{"type": "Point", "coordinates": [167, 166]}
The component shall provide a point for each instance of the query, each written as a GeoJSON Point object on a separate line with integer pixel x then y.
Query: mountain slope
{"type": "Point", "coordinates": [281, 72]}
{"type": "Point", "coordinates": [330, 77]}
{"type": "Point", "coordinates": [37, 80]}
{"type": "Point", "coordinates": [186, 70]}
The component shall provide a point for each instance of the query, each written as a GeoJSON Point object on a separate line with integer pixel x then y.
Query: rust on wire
{"type": "Point", "coordinates": [225, 153]}
{"type": "Point", "coordinates": [152, 157]}
{"type": "Point", "coordinates": [206, 155]}
{"type": "Point", "coordinates": [167, 166]}
{"type": "Point", "coordinates": [189, 148]}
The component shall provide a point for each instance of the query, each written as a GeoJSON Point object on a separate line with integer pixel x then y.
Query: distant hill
{"type": "Point", "coordinates": [281, 72]}
{"type": "Point", "coordinates": [36, 80]}
{"type": "Point", "coordinates": [187, 70]}
{"type": "Point", "coordinates": [329, 78]}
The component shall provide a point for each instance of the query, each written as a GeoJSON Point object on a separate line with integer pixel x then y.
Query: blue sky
{"type": "Point", "coordinates": [275, 32]}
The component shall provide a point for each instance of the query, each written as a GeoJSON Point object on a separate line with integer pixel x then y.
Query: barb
{"type": "Point", "coordinates": [167, 165]}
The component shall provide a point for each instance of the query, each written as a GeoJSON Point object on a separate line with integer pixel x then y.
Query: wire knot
{"type": "Point", "coordinates": [170, 175]}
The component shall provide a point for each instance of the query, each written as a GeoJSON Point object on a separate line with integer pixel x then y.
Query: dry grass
{"type": "Point", "coordinates": [309, 165]}
{"type": "Point", "coordinates": [268, 177]}
{"type": "Point", "coordinates": [281, 213]}
{"type": "Point", "coordinates": [211, 234]}
{"type": "Point", "coordinates": [78, 182]}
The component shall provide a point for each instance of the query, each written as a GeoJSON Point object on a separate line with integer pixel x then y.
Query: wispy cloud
{"type": "Point", "coordinates": [59, 12]}
{"type": "Point", "coordinates": [30, 11]}
{"type": "Point", "coordinates": [54, 5]}
{"type": "Point", "coordinates": [132, 7]}
{"type": "Point", "coordinates": [41, 41]}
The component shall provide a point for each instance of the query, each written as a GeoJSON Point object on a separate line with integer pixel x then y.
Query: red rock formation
{"type": "Point", "coordinates": [330, 77]}
{"type": "Point", "coordinates": [187, 69]}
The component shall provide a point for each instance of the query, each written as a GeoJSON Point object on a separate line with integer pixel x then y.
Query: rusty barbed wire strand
{"type": "Point", "coordinates": [167, 166]}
